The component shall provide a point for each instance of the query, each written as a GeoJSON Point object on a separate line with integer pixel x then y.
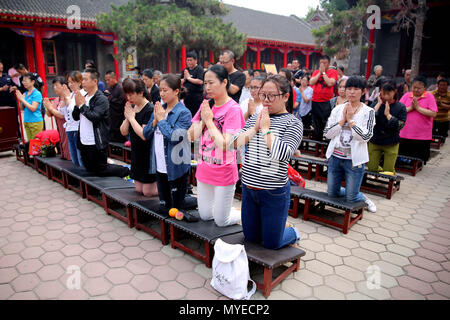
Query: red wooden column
{"type": "Point", "coordinates": [168, 60]}
{"type": "Point", "coordinates": [307, 59]}
{"type": "Point", "coordinates": [40, 59]}
{"type": "Point", "coordinates": [271, 56]}
{"type": "Point", "coordinates": [30, 54]}
{"type": "Point", "coordinates": [211, 56]}
{"type": "Point", "coordinates": [116, 63]}
{"type": "Point", "coordinates": [285, 58]}
{"type": "Point", "coordinates": [370, 53]}
{"type": "Point", "coordinates": [244, 60]}
{"type": "Point", "coordinates": [183, 57]}
{"type": "Point", "coordinates": [258, 58]}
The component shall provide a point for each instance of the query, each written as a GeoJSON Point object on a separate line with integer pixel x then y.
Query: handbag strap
{"type": "Point", "coordinates": [252, 291]}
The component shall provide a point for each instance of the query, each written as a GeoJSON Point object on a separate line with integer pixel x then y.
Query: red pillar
{"type": "Point", "coordinates": [244, 60]}
{"type": "Point", "coordinates": [168, 60]}
{"type": "Point", "coordinates": [116, 63]}
{"type": "Point", "coordinates": [40, 59]}
{"type": "Point", "coordinates": [183, 57]}
{"type": "Point", "coordinates": [258, 58]}
{"type": "Point", "coordinates": [285, 58]}
{"type": "Point", "coordinates": [370, 53]}
{"type": "Point", "coordinates": [307, 59]}
{"type": "Point", "coordinates": [30, 54]}
{"type": "Point", "coordinates": [271, 56]}
{"type": "Point", "coordinates": [211, 56]}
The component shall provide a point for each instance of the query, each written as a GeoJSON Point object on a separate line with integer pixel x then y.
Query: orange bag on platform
{"type": "Point", "coordinates": [295, 177]}
{"type": "Point", "coordinates": [34, 148]}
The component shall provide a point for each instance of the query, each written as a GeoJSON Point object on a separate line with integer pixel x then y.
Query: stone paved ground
{"type": "Point", "coordinates": [44, 229]}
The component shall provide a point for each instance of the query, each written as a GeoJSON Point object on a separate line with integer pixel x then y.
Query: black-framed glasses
{"type": "Point", "coordinates": [271, 97]}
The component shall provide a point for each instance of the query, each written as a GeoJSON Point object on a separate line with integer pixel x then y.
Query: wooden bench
{"type": "Point", "coordinates": [296, 196]}
{"type": "Point", "coordinates": [205, 231]}
{"type": "Point", "coordinates": [415, 165]}
{"type": "Point", "coordinates": [19, 149]}
{"type": "Point", "coordinates": [118, 203]}
{"type": "Point", "coordinates": [40, 164]}
{"type": "Point", "coordinates": [116, 151]}
{"type": "Point", "coordinates": [308, 133]}
{"type": "Point", "coordinates": [56, 167]}
{"type": "Point", "coordinates": [127, 154]}
{"type": "Point", "coordinates": [74, 179]}
{"type": "Point", "coordinates": [382, 184]}
{"type": "Point", "coordinates": [94, 187]}
{"type": "Point", "coordinates": [309, 168]}
{"type": "Point", "coordinates": [145, 213]}
{"type": "Point", "coordinates": [314, 147]}
{"type": "Point", "coordinates": [437, 141]}
{"type": "Point", "coordinates": [315, 209]}
{"type": "Point", "coordinates": [270, 260]}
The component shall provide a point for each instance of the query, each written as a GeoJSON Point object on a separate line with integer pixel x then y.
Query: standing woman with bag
{"type": "Point", "coordinates": [217, 171]}
{"type": "Point", "coordinates": [272, 138]}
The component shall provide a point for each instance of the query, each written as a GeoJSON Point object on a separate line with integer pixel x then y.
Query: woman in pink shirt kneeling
{"type": "Point", "coordinates": [416, 135]}
{"type": "Point", "coordinates": [217, 173]}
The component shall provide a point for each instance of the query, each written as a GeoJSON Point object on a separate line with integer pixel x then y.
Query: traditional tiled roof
{"type": "Point", "coordinates": [262, 25]}
{"type": "Point", "coordinates": [57, 8]}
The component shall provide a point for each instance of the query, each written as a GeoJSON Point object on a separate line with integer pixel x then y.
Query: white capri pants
{"type": "Point", "coordinates": [215, 202]}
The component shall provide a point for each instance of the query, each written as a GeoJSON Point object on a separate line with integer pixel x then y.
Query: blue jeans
{"type": "Point", "coordinates": [341, 169]}
{"type": "Point", "coordinates": [264, 214]}
{"type": "Point", "coordinates": [74, 152]}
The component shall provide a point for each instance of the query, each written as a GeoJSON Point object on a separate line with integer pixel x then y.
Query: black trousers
{"type": "Point", "coordinates": [320, 113]}
{"type": "Point", "coordinates": [172, 192]}
{"type": "Point", "coordinates": [193, 102]}
{"type": "Point", "coordinates": [307, 120]}
{"type": "Point", "coordinates": [415, 148]}
{"type": "Point", "coordinates": [95, 161]}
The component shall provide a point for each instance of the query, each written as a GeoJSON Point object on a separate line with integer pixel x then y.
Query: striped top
{"type": "Point", "coordinates": [264, 168]}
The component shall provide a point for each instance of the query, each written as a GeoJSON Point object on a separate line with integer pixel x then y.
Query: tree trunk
{"type": "Point", "coordinates": [418, 34]}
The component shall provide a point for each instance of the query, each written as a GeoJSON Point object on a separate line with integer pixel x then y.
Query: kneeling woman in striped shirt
{"type": "Point", "coordinates": [272, 137]}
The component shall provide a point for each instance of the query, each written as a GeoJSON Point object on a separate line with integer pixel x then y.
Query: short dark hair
{"type": "Point", "coordinates": [31, 76]}
{"type": "Point", "coordinates": [288, 73]}
{"type": "Point", "coordinates": [134, 86]}
{"type": "Point", "coordinates": [220, 72]}
{"type": "Point", "coordinates": [19, 66]}
{"type": "Point", "coordinates": [192, 54]}
{"type": "Point", "coordinates": [341, 68]}
{"type": "Point", "coordinates": [148, 73]}
{"type": "Point", "coordinates": [389, 85]}
{"type": "Point", "coordinates": [110, 72]}
{"type": "Point", "coordinates": [91, 63]}
{"type": "Point", "coordinates": [59, 79]}
{"type": "Point", "coordinates": [93, 73]}
{"type": "Point", "coordinates": [356, 82]}
{"type": "Point", "coordinates": [174, 82]}
{"type": "Point", "coordinates": [325, 57]}
{"type": "Point", "coordinates": [250, 72]}
{"type": "Point", "coordinates": [420, 78]}
{"type": "Point", "coordinates": [443, 80]}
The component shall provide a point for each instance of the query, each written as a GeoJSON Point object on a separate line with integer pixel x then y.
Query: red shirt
{"type": "Point", "coordinates": [322, 92]}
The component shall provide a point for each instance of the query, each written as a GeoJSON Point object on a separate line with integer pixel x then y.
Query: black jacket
{"type": "Point", "coordinates": [98, 113]}
{"type": "Point", "coordinates": [387, 132]}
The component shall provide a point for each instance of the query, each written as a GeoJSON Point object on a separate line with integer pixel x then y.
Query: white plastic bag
{"type": "Point", "coordinates": [230, 273]}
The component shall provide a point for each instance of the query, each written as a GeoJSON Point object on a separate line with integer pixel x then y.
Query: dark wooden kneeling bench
{"type": "Point", "coordinates": [205, 231]}
{"type": "Point", "coordinates": [270, 260]}
{"type": "Point", "coordinates": [309, 167]}
{"type": "Point", "coordinates": [118, 203]}
{"type": "Point", "coordinates": [145, 213]}
{"type": "Point", "coordinates": [127, 154]}
{"type": "Point", "coordinates": [56, 167]}
{"type": "Point", "coordinates": [316, 201]}
{"type": "Point", "coordinates": [415, 166]}
{"type": "Point", "coordinates": [20, 151]}
{"type": "Point", "coordinates": [380, 183]}
{"type": "Point", "coordinates": [314, 147]}
{"type": "Point", "coordinates": [296, 195]}
{"type": "Point", "coordinates": [40, 164]}
{"type": "Point", "coordinates": [116, 151]}
{"type": "Point", "coordinates": [437, 141]}
{"type": "Point", "coordinates": [74, 179]}
{"type": "Point", "coordinates": [94, 187]}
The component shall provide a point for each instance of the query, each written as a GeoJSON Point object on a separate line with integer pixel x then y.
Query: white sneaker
{"type": "Point", "coordinates": [370, 205]}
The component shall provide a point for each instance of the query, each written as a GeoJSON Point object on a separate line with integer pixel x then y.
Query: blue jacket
{"type": "Point", "coordinates": [177, 148]}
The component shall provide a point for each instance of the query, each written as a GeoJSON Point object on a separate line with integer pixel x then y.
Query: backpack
{"type": "Point", "coordinates": [230, 273]}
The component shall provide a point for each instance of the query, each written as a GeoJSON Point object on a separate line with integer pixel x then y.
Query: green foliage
{"type": "Point", "coordinates": [152, 26]}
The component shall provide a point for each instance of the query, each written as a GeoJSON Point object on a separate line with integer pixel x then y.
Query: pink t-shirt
{"type": "Point", "coordinates": [217, 167]}
{"type": "Point", "coordinates": [418, 126]}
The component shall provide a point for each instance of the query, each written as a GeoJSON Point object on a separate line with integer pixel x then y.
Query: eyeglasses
{"type": "Point", "coordinates": [271, 97]}
{"type": "Point", "coordinates": [224, 62]}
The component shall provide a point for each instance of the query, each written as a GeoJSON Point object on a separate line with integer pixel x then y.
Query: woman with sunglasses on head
{"type": "Point", "coordinates": [271, 137]}
{"type": "Point", "coordinates": [217, 172]}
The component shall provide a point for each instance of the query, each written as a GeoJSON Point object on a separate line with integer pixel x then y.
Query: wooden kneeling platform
{"type": "Point", "coordinates": [116, 151]}
{"type": "Point", "coordinates": [269, 260]}
{"type": "Point", "coordinates": [314, 147]}
{"type": "Point", "coordinates": [94, 187]}
{"type": "Point", "coordinates": [415, 166]}
{"type": "Point", "coordinates": [205, 231]}
{"type": "Point", "coordinates": [316, 201]}
{"type": "Point", "coordinates": [146, 211]}
{"type": "Point", "coordinates": [55, 167]}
